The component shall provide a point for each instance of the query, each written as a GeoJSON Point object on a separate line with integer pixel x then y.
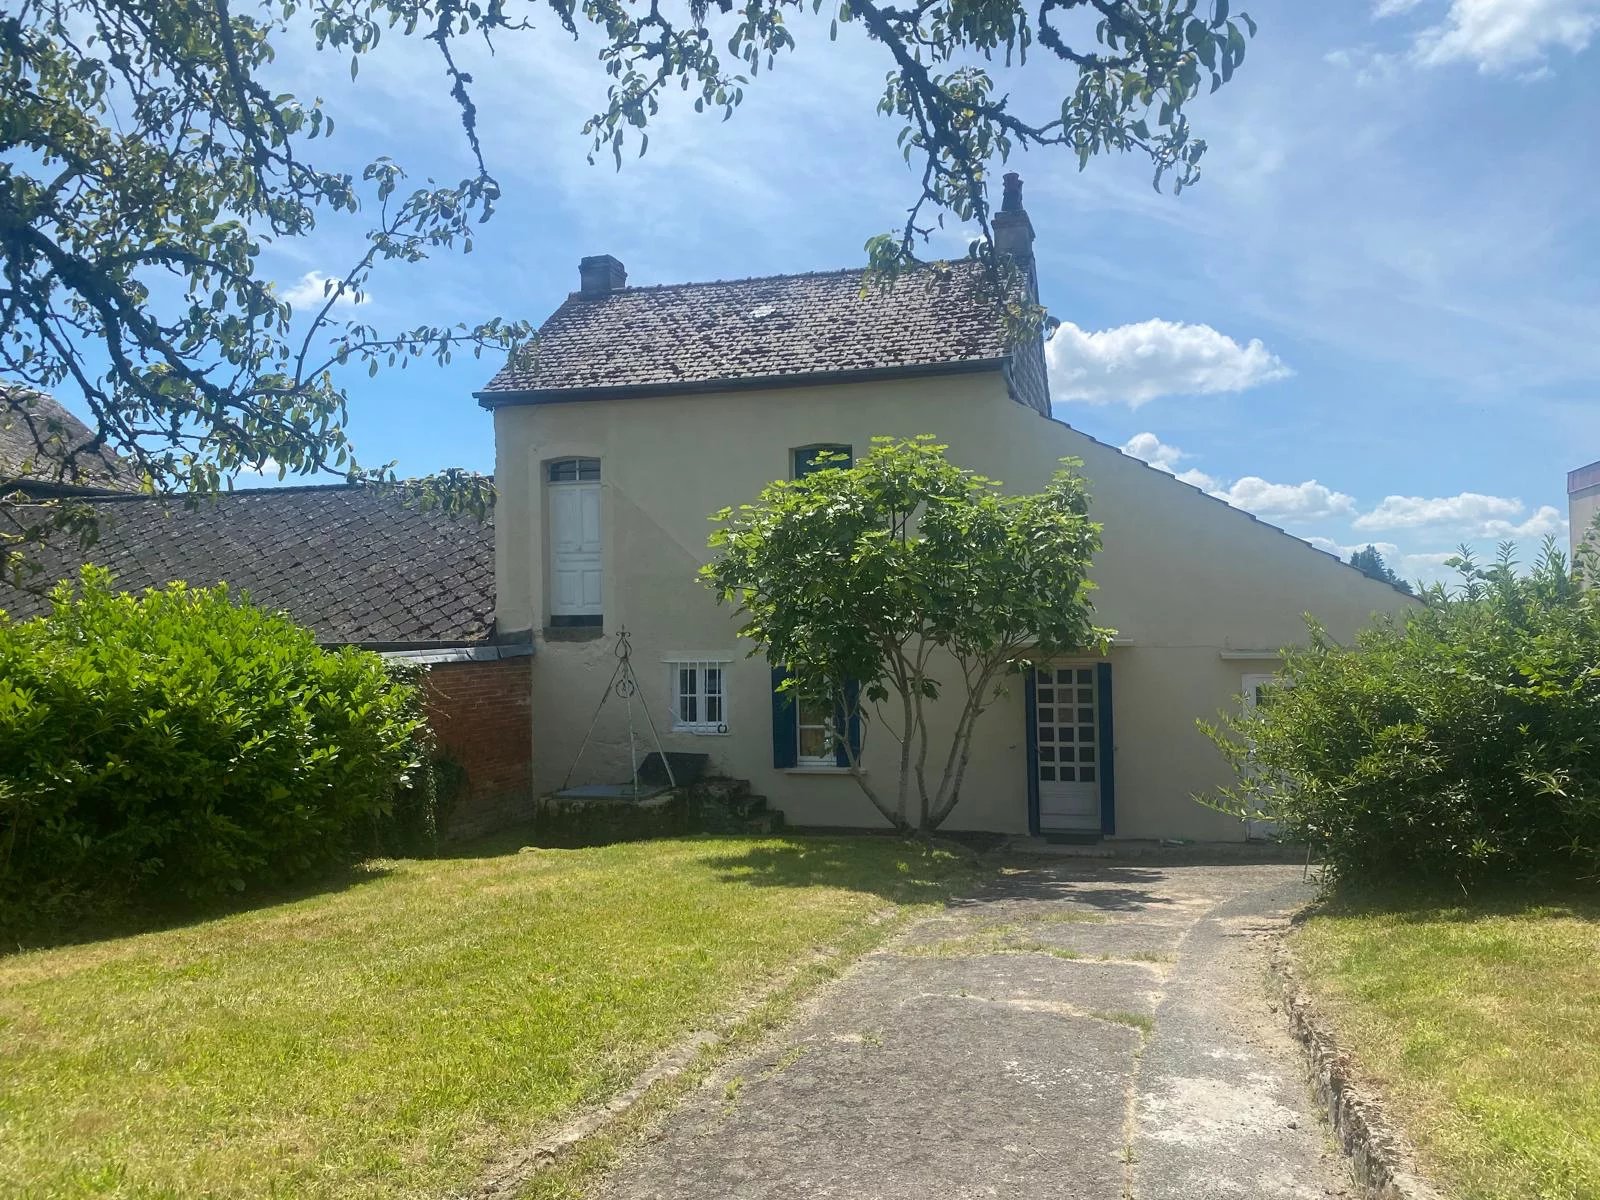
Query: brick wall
{"type": "Point", "coordinates": [481, 713]}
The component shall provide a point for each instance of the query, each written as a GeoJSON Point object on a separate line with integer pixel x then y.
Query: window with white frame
{"type": "Point", "coordinates": [573, 470]}
{"type": "Point", "coordinates": [1257, 689]}
{"type": "Point", "coordinates": [815, 741]}
{"type": "Point", "coordinates": [699, 692]}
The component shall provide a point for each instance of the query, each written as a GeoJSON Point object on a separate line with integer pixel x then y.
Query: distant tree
{"type": "Point", "coordinates": [878, 582]}
{"type": "Point", "coordinates": [1370, 563]}
{"type": "Point", "coordinates": [146, 157]}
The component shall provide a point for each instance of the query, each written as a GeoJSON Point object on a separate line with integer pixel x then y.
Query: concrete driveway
{"type": "Point", "coordinates": [1078, 1031]}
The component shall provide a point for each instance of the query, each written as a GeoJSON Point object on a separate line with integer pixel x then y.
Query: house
{"type": "Point", "coordinates": [644, 409]}
{"type": "Point", "coordinates": [1583, 502]}
{"type": "Point", "coordinates": [356, 565]}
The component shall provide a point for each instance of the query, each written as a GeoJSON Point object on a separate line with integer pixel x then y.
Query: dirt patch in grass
{"type": "Point", "coordinates": [1481, 1024]}
{"type": "Point", "coordinates": [392, 1039]}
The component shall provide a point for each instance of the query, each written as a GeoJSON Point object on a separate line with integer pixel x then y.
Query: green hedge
{"type": "Point", "coordinates": [1456, 745]}
{"type": "Point", "coordinates": [181, 745]}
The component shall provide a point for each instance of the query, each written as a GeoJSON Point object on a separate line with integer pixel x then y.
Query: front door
{"type": "Point", "coordinates": [1068, 771]}
{"type": "Point", "coordinates": [575, 548]}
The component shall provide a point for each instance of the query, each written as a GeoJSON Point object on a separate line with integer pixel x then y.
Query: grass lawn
{"type": "Point", "coordinates": [1482, 1026]}
{"type": "Point", "coordinates": [391, 1037]}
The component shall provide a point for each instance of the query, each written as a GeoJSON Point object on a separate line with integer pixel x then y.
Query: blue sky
{"type": "Point", "coordinates": [1376, 319]}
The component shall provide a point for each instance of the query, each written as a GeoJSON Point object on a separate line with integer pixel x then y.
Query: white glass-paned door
{"type": "Point", "coordinates": [1067, 729]}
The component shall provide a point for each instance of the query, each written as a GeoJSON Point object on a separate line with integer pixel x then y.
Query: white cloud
{"type": "Point", "coordinates": [1162, 457]}
{"type": "Point", "coordinates": [1546, 520]}
{"type": "Point", "coordinates": [1371, 66]}
{"type": "Point", "coordinates": [1469, 510]}
{"type": "Point", "coordinates": [312, 292]}
{"type": "Point", "coordinates": [1133, 364]}
{"type": "Point", "coordinates": [1392, 8]}
{"type": "Point", "coordinates": [1472, 514]}
{"type": "Point", "coordinates": [1500, 34]}
{"type": "Point", "coordinates": [1308, 501]}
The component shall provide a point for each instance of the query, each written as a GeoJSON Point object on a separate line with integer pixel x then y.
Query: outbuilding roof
{"type": "Point", "coordinates": [741, 332]}
{"type": "Point", "coordinates": [355, 564]}
{"type": "Point", "coordinates": [37, 440]}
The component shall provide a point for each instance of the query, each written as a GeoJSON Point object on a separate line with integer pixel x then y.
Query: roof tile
{"type": "Point", "coordinates": [37, 437]}
{"type": "Point", "coordinates": [356, 564]}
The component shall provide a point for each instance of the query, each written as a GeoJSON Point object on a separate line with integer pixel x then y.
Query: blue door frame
{"type": "Point", "coordinates": [1105, 740]}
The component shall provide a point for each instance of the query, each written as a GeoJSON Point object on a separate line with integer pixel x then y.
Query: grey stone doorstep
{"type": "Point", "coordinates": [1082, 1030]}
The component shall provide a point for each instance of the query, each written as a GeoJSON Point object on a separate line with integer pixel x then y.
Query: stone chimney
{"type": "Point", "coordinates": [600, 275]}
{"type": "Point", "coordinates": [1013, 232]}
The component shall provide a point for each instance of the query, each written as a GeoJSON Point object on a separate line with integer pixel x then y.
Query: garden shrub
{"type": "Point", "coordinates": [1458, 743]}
{"type": "Point", "coordinates": [182, 745]}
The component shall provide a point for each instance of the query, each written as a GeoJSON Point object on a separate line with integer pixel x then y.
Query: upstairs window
{"type": "Point", "coordinates": [574, 470]}
{"type": "Point", "coordinates": [572, 491]}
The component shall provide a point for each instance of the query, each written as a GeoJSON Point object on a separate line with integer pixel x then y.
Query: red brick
{"type": "Point", "coordinates": [481, 713]}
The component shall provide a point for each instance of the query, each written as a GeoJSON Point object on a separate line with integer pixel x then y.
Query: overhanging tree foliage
{"type": "Point", "coordinates": [902, 581]}
{"type": "Point", "coordinates": [145, 160]}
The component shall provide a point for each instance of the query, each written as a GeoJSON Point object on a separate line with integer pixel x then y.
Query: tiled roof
{"type": "Point", "coordinates": [37, 433]}
{"type": "Point", "coordinates": [678, 335]}
{"type": "Point", "coordinates": [355, 564]}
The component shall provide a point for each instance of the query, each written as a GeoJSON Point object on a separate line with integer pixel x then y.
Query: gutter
{"type": "Point", "coordinates": [509, 397]}
{"type": "Point", "coordinates": [429, 656]}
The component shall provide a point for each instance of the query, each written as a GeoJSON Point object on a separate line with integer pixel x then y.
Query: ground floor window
{"type": "Point", "coordinates": [815, 739]}
{"type": "Point", "coordinates": [699, 692]}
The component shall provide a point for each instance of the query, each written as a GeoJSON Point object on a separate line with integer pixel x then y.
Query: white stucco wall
{"type": "Point", "coordinates": [1583, 506]}
{"type": "Point", "coordinates": [1183, 578]}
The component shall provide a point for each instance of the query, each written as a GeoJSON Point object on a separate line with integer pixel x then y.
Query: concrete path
{"type": "Point", "coordinates": [1079, 1031]}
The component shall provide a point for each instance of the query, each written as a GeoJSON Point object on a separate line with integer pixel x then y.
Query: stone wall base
{"type": "Point", "coordinates": [1380, 1156]}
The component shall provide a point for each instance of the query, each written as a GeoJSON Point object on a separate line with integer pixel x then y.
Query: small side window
{"type": "Point", "coordinates": [807, 460]}
{"type": "Point", "coordinates": [699, 695]}
{"type": "Point", "coordinates": [1257, 689]}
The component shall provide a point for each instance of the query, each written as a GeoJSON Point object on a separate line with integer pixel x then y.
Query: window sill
{"type": "Point", "coordinates": [817, 770]}
{"type": "Point", "coordinates": [573, 633]}
{"type": "Point", "coordinates": [696, 731]}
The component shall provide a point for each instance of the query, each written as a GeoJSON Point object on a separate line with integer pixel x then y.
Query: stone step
{"type": "Point", "coordinates": [723, 790]}
{"type": "Point", "coordinates": [747, 806]}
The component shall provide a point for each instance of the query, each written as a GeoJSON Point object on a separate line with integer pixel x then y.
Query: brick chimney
{"type": "Point", "coordinates": [600, 275]}
{"type": "Point", "coordinates": [1013, 232]}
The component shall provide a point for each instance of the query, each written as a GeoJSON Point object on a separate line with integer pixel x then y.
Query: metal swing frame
{"type": "Point", "coordinates": [624, 685]}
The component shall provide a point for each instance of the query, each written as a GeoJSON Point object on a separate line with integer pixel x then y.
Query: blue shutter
{"type": "Point", "coordinates": [1108, 752]}
{"type": "Point", "coordinates": [852, 692]}
{"type": "Point", "coordinates": [785, 735]}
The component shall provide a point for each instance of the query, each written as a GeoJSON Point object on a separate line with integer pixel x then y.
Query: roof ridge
{"type": "Point", "coordinates": [819, 274]}
{"type": "Point", "coordinates": [236, 493]}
